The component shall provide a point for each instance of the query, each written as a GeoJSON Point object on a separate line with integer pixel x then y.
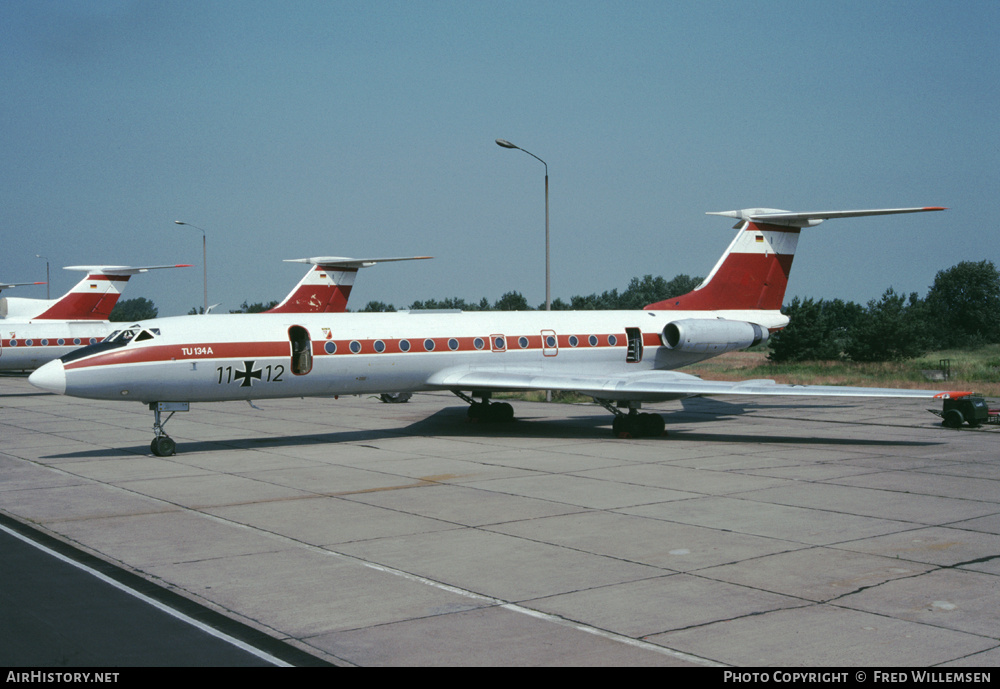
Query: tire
{"type": "Point", "coordinates": [619, 427]}
{"type": "Point", "coordinates": [163, 446]}
{"type": "Point", "coordinates": [953, 419]}
{"type": "Point", "coordinates": [503, 412]}
{"type": "Point", "coordinates": [395, 397]}
{"type": "Point", "coordinates": [651, 425]}
{"type": "Point", "coordinates": [627, 426]}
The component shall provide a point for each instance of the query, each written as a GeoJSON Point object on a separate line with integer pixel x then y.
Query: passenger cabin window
{"type": "Point", "coordinates": [301, 350]}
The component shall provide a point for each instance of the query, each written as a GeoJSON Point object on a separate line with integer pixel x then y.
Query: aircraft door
{"type": "Point", "coordinates": [301, 350]}
{"type": "Point", "coordinates": [550, 343]}
{"type": "Point", "coordinates": [634, 352]}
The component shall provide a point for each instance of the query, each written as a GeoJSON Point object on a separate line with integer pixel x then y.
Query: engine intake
{"type": "Point", "coordinates": [711, 335]}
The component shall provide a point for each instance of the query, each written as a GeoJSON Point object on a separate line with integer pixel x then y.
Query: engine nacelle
{"type": "Point", "coordinates": [711, 335]}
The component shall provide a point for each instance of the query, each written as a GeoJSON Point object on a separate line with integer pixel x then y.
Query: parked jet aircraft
{"type": "Point", "coordinates": [43, 330]}
{"type": "Point", "coordinates": [620, 358]}
{"type": "Point", "coordinates": [34, 331]}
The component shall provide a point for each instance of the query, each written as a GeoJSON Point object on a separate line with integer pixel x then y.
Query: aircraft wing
{"type": "Point", "coordinates": [652, 385]}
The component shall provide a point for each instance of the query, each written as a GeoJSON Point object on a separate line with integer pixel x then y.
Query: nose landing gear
{"type": "Point", "coordinates": [163, 445]}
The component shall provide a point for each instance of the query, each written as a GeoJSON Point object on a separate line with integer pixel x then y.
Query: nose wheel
{"type": "Point", "coordinates": [163, 445]}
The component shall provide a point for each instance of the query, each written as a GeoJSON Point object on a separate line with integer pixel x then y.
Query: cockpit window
{"type": "Point", "coordinates": [118, 338]}
{"type": "Point", "coordinates": [122, 336]}
{"type": "Point", "coordinates": [136, 333]}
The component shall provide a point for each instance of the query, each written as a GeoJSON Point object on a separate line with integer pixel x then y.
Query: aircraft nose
{"type": "Point", "coordinates": [50, 377]}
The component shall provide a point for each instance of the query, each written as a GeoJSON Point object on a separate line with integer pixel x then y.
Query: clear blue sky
{"type": "Point", "coordinates": [366, 128]}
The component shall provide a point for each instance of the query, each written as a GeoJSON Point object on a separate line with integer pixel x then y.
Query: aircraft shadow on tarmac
{"type": "Point", "coordinates": [452, 422]}
{"type": "Point", "coordinates": [19, 392]}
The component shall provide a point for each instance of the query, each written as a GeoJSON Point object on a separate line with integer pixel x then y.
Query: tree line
{"type": "Point", "coordinates": [960, 310]}
{"type": "Point", "coordinates": [640, 291]}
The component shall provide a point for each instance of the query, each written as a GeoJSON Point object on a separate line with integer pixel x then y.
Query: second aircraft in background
{"type": "Point", "coordinates": [35, 331]}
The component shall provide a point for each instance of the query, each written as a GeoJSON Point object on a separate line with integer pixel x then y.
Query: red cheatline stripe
{"type": "Point", "coordinates": [259, 350]}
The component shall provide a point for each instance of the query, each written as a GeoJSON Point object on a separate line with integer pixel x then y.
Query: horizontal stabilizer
{"type": "Point", "coordinates": [123, 270]}
{"type": "Point", "coordinates": [772, 216]}
{"type": "Point", "coordinates": [8, 285]}
{"type": "Point", "coordinates": [344, 262]}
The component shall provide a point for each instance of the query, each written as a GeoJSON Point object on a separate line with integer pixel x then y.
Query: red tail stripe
{"type": "Point", "coordinates": [743, 281]}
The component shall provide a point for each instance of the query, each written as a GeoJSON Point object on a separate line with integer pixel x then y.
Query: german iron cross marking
{"type": "Point", "coordinates": [247, 374]}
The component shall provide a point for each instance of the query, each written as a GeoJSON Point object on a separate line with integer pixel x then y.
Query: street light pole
{"type": "Point", "coordinates": [548, 283]}
{"type": "Point", "coordinates": [204, 258]}
{"type": "Point", "coordinates": [503, 143]}
{"type": "Point", "coordinates": [46, 259]}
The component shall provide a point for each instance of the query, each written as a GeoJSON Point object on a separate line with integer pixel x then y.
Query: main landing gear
{"type": "Point", "coordinates": [630, 425]}
{"type": "Point", "coordinates": [163, 445]}
{"type": "Point", "coordinates": [486, 411]}
{"type": "Point", "coordinates": [634, 424]}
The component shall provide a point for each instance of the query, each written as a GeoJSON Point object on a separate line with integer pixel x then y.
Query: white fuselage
{"type": "Point", "coordinates": [26, 345]}
{"type": "Point", "coordinates": [236, 357]}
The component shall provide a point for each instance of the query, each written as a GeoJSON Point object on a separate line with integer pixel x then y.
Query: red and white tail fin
{"type": "Point", "coordinates": [753, 272]}
{"type": "Point", "coordinates": [91, 299]}
{"type": "Point", "coordinates": [327, 286]}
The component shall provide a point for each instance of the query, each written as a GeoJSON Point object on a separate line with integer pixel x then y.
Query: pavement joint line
{"type": "Point", "coordinates": [924, 462]}
{"type": "Point", "coordinates": [537, 614]}
{"type": "Point", "coordinates": [629, 641]}
{"type": "Point", "coordinates": [513, 607]}
{"type": "Point", "coordinates": [150, 601]}
{"type": "Point", "coordinates": [507, 605]}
